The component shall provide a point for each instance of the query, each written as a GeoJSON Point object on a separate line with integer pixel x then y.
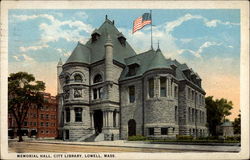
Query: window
{"type": "Point", "coordinates": [78, 114]}
{"type": "Point", "coordinates": [97, 78]}
{"type": "Point", "coordinates": [67, 79]}
{"type": "Point", "coordinates": [95, 93]}
{"type": "Point", "coordinates": [34, 124]}
{"type": "Point", "coordinates": [34, 115]}
{"type": "Point", "coordinates": [151, 131]}
{"type": "Point", "coordinates": [192, 115]}
{"type": "Point", "coordinates": [131, 94]}
{"type": "Point", "coordinates": [41, 116]}
{"type": "Point", "coordinates": [41, 132]}
{"type": "Point", "coordinates": [189, 115]}
{"type": "Point", "coordinates": [47, 116]}
{"type": "Point", "coordinates": [164, 131]}
{"type": "Point", "coordinates": [122, 40]}
{"type": "Point", "coordinates": [132, 69]}
{"type": "Point", "coordinates": [189, 93]}
{"type": "Point", "coordinates": [176, 114]}
{"type": "Point", "coordinates": [47, 132]}
{"type": "Point", "coordinates": [98, 93]}
{"type": "Point", "coordinates": [175, 91]}
{"type": "Point", "coordinates": [47, 124]}
{"type": "Point", "coordinates": [31, 123]}
{"type": "Point", "coordinates": [151, 87]}
{"type": "Point", "coordinates": [25, 123]}
{"type": "Point", "coordinates": [77, 93]}
{"type": "Point", "coordinates": [78, 78]}
{"type": "Point", "coordinates": [163, 86]}
{"type": "Point", "coordinates": [41, 124]}
{"type": "Point", "coordinates": [67, 115]}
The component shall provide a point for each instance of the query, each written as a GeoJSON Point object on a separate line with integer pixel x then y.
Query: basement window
{"type": "Point", "coordinates": [151, 131]}
{"type": "Point", "coordinates": [164, 131]}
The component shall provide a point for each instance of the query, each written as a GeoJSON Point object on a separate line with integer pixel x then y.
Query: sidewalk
{"type": "Point", "coordinates": [123, 143]}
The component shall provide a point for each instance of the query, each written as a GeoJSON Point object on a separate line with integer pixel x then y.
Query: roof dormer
{"type": "Point", "coordinates": [122, 39]}
{"type": "Point", "coordinates": [95, 35]}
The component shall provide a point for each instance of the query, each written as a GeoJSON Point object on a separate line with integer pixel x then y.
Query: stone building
{"type": "Point", "coordinates": [107, 92]}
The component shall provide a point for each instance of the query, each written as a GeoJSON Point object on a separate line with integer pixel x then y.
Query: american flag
{"type": "Point", "coordinates": [142, 21]}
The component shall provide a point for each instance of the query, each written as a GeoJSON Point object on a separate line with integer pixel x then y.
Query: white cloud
{"type": "Point", "coordinates": [16, 58]}
{"type": "Point", "coordinates": [215, 22]}
{"type": "Point", "coordinates": [185, 40]}
{"type": "Point", "coordinates": [33, 48]}
{"type": "Point", "coordinates": [170, 26]}
{"type": "Point", "coordinates": [27, 58]}
{"type": "Point", "coordinates": [81, 15]}
{"type": "Point", "coordinates": [230, 46]}
{"type": "Point", "coordinates": [198, 52]}
{"type": "Point", "coordinates": [30, 17]}
{"type": "Point", "coordinates": [54, 30]}
{"type": "Point", "coordinates": [63, 52]}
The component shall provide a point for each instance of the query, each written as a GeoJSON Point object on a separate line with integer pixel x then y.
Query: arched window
{"type": "Point", "coordinates": [78, 78]}
{"type": "Point", "coordinates": [67, 79]}
{"type": "Point", "coordinates": [97, 78]}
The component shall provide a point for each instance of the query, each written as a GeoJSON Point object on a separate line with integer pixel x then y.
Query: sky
{"type": "Point", "coordinates": [207, 40]}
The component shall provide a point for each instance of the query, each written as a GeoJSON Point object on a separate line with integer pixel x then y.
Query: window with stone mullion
{"type": "Point", "coordinates": [151, 87]}
{"type": "Point", "coordinates": [78, 114]}
{"type": "Point", "coordinates": [163, 87]}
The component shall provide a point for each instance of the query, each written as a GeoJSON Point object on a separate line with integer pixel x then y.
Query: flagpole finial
{"type": "Point", "coordinates": [158, 44]}
{"type": "Point", "coordinates": [106, 17]}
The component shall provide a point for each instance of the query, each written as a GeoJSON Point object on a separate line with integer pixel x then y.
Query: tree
{"type": "Point", "coordinates": [237, 124]}
{"type": "Point", "coordinates": [23, 92]}
{"type": "Point", "coordinates": [217, 111]}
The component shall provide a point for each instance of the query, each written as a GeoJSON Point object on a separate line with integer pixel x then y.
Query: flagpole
{"type": "Point", "coordinates": [151, 29]}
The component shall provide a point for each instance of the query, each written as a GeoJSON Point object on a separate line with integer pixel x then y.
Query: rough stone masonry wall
{"type": "Point", "coordinates": [131, 110]}
{"type": "Point", "coordinates": [182, 109]}
{"type": "Point", "coordinates": [78, 129]}
{"type": "Point", "coordinates": [159, 111]}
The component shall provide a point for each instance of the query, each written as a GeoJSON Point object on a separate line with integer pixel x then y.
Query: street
{"type": "Point", "coordinates": [29, 147]}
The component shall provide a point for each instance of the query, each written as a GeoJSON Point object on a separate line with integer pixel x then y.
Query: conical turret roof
{"type": "Point", "coordinates": [158, 61]}
{"type": "Point", "coordinates": [80, 54]}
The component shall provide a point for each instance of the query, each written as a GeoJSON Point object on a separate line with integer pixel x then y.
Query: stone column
{"type": "Point", "coordinates": [117, 119]}
{"type": "Point", "coordinates": [167, 87]}
{"type": "Point", "coordinates": [92, 119]}
{"type": "Point", "coordinates": [173, 86]}
{"type": "Point", "coordinates": [110, 118]}
{"type": "Point", "coordinates": [72, 115]}
{"type": "Point", "coordinates": [83, 115]}
{"type": "Point", "coordinates": [157, 86]}
{"type": "Point", "coordinates": [103, 119]}
{"type": "Point", "coordinates": [64, 116]}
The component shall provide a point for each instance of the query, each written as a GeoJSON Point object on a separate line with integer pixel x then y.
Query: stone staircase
{"type": "Point", "coordinates": [82, 139]}
{"type": "Point", "coordinates": [92, 138]}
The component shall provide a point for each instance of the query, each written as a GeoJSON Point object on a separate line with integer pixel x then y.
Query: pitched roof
{"type": "Point", "coordinates": [81, 54]}
{"type": "Point", "coordinates": [152, 59]}
{"type": "Point", "coordinates": [95, 51]}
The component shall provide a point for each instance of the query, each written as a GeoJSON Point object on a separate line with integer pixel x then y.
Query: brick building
{"type": "Point", "coordinates": [107, 91]}
{"type": "Point", "coordinates": [40, 122]}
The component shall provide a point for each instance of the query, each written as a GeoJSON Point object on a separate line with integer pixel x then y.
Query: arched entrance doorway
{"type": "Point", "coordinates": [98, 121]}
{"type": "Point", "coordinates": [131, 127]}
